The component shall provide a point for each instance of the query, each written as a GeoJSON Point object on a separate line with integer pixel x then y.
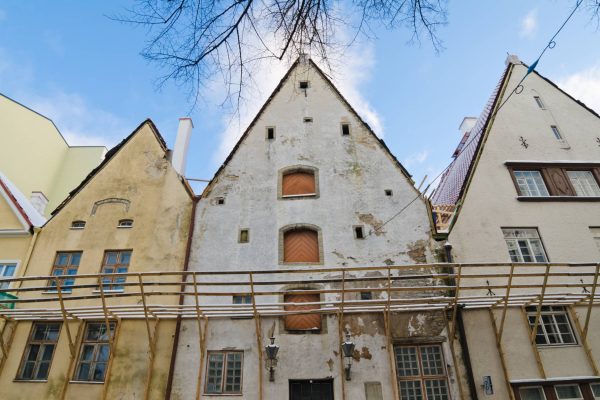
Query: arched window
{"type": "Point", "coordinates": [299, 182]}
{"type": "Point", "coordinates": [301, 245]}
{"type": "Point", "coordinates": [125, 223]}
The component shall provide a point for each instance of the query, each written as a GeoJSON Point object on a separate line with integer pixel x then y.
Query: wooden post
{"type": "Point", "coordinates": [454, 361]}
{"type": "Point", "coordinates": [64, 317]}
{"type": "Point", "coordinates": [539, 306]}
{"type": "Point", "coordinates": [588, 350]}
{"type": "Point", "coordinates": [341, 336]}
{"type": "Point", "coordinates": [590, 304]}
{"type": "Point", "coordinates": [6, 345]}
{"type": "Point", "coordinates": [456, 297]}
{"type": "Point", "coordinates": [105, 311]}
{"type": "Point", "coordinates": [72, 358]}
{"type": "Point", "coordinates": [506, 297]}
{"type": "Point", "coordinates": [501, 353]}
{"type": "Point", "coordinates": [152, 357]}
{"type": "Point", "coordinates": [388, 332]}
{"type": "Point", "coordinates": [111, 358]}
{"type": "Point", "coordinates": [257, 324]}
{"type": "Point", "coordinates": [536, 352]}
{"type": "Point", "coordinates": [200, 336]}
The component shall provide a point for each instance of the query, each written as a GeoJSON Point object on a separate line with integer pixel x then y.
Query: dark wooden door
{"type": "Point", "coordinates": [311, 389]}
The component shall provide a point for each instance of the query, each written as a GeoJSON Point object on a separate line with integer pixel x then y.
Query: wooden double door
{"type": "Point", "coordinates": [311, 389]}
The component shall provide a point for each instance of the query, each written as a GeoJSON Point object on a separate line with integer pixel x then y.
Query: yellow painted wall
{"type": "Point", "coordinates": [35, 156]}
{"type": "Point", "coordinates": [160, 207]}
{"type": "Point", "coordinates": [8, 219]}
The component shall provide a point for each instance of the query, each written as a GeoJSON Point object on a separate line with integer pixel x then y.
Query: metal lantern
{"type": "Point", "coordinates": [348, 350]}
{"type": "Point", "coordinates": [271, 350]}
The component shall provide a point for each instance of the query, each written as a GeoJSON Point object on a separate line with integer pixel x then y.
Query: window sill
{"type": "Point", "coordinates": [222, 394]}
{"type": "Point", "coordinates": [558, 198]}
{"type": "Point", "coordinates": [108, 291]}
{"type": "Point", "coordinates": [556, 346]}
{"type": "Point", "coordinates": [30, 380]}
{"type": "Point", "coordinates": [299, 196]}
{"type": "Point", "coordinates": [88, 382]}
{"type": "Point", "coordinates": [56, 292]}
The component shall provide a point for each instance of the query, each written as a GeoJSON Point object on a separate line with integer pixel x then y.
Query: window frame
{"type": "Point", "coordinates": [225, 353]}
{"type": "Point", "coordinates": [520, 191]}
{"type": "Point", "coordinates": [539, 237]}
{"type": "Point", "coordinates": [348, 126]}
{"type": "Point", "coordinates": [422, 377]}
{"type": "Point", "coordinates": [104, 281]}
{"type": "Point", "coordinates": [595, 180]}
{"type": "Point", "coordinates": [125, 223]}
{"type": "Point", "coordinates": [44, 343]}
{"type": "Point", "coordinates": [241, 234]}
{"type": "Point", "coordinates": [549, 387]}
{"type": "Point", "coordinates": [542, 326]}
{"type": "Point", "coordinates": [281, 246]}
{"type": "Point", "coordinates": [75, 224]}
{"type": "Point", "coordinates": [538, 100]}
{"type": "Point", "coordinates": [4, 264]}
{"type": "Point", "coordinates": [267, 128]}
{"type": "Point", "coordinates": [568, 384]}
{"type": "Point", "coordinates": [64, 285]}
{"type": "Point", "coordinates": [298, 168]}
{"type": "Point", "coordinates": [112, 332]}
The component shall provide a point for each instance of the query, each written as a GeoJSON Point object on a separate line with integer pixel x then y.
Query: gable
{"type": "Point", "coordinates": [8, 218]}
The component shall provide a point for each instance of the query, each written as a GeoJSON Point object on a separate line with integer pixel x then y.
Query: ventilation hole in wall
{"type": "Point", "coordinates": [308, 119]}
{"type": "Point", "coordinates": [244, 235]}
{"type": "Point", "coordinates": [345, 129]}
{"type": "Point", "coordinates": [358, 232]}
{"type": "Point", "coordinates": [125, 223]}
{"type": "Point", "coordinates": [303, 85]}
{"type": "Point", "coordinates": [220, 201]}
{"type": "Point", "coordinates": [366, 296]}
{"type": "Point", "coordinates": [270, 133]}
{"type": "Point", "coordinates": [78, 224]}
{"type": "Point", "coordinates": [388, 192]}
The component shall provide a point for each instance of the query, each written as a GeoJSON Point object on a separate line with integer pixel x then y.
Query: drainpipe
{"type": "Point", "coordinates": [186, 263]}
{"type": "Point", "coordinates": [36, 231]}
{"type": "Point", "coordinates": [462, 337]}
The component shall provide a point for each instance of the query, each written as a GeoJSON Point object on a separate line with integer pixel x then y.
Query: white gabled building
{"type": "Point", "coordinates": [309, 187]}
{"type": "Point", "coordinates": [525, 186]}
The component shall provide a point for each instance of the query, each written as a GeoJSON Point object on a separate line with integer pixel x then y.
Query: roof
{"type": "Point", "coordinates": [20, 203]}
{"type": "Point", "coordinates": [452, 182]}
{"type": "Point", "coordinates": [109, 155]}
{"type": "Point", "coordinates": [272, 96]}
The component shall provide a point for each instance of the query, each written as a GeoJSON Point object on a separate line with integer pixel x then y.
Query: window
{"type": "Point", "coordinates": [298, 182]}
{"type": "Point", "coordinates": [568, 392]}
{"type": "Point", "coordinates": [358, 232]}
{"type": "Point", "coordinates": [224, 372]}
{"type": "Point", "coordinates": [303, 84]}
{"type": "Point", "coordinates": [65, 263]}
{"type": "Point", "coordinates": [595, 390]}
{"type": "Point", "coordinates": [242, 299]}
{"type": "Point", "coordinates": [531, 183]}
{"type": "Point", "coordinates": [532, 393]}
{"type": "Point", "coordinates": [125, 223]}
{"type": "Point", "coordinates": [596, 236]}
{"type": "Point", "coordinates": [244, 236]}
{"type": "Point", "coordinates": [37, 358]}
{"type": "Point", "coordinates": [524, 245]}
{"type": "Point", "coordinates": [302, 322]}
{"type": "Point", "coordinates": [366, 296]}
{"type": "Point", "coordinates": [301, 245]}
{"type": "Point", "coordinates": [554, 327]}
{"type": "Point", "coordinates": [584, 183]}
{"type": "Point", "coordinates": [94, 352]}
{"type": "Point", "coordinates": [115, 262]}
{"type": "Point", "coordinates": [421, 372]}
{"type": "Point", "coordinates": [539, 102]}
{"type": "Point", "coordinates": [7, 270]}
{"type": "Point", "coordinates": [270, 132]}
{"type": "Point", "coordinates": [220, 201]}
{"type": "Point", "coordinates": [308, 119]}
{"type": "Point", "coordinates": [388, 192]}
{"type": "Point", "coordinates": [556, 132]}
{"type": "Point", "coordinates": [78, 224]}
{"type": "Point", "coordinates": [345, 129]}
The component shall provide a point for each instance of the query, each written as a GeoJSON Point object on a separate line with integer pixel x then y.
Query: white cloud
{"type": "Point", "coordinates": [584, 85]}
{"type": "Point", "coordinates": [416, 158]}
{"type": "Point", "coordinates": [529, 24]}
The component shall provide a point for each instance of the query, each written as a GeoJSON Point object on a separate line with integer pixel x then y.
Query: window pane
{"type": "Point", "coordinates": [42, 373]}
{"type": "Point", "coordinates": [233, 383]}
{"type": "Point", "coordinates": [84, 372]}
{"type": "Point", "coordinates": [431, 359]}
{"type": "Point", "coordinates": [584, 183]}
{"type": "Point", "coordinates": [406, 361]}
{"type": "Point", "coordinates": [596, 390]}
{"type": "Point", "coordinates": [9, 270]}
{"type": "Point", "coordinates": [531, 183]}
{"type": "Point", "coordinates": [532, 393]}
{"type": "Point", "coordinates": [215, 373]}
{"type": "Point", "coordinates": [28, 370]}
{"type": "Point", "coordinates": [524, 245]}
{"type": "Point", "coordinates": [437, 389]}
{"type": "Point", "coordinates": [47, 352]}
{"type": "Point", "coordinates": [411, 390]}
{"type": "Point", "coordinates": [568, 392]}
{"type": "Point", "coordinates": [99, 372]}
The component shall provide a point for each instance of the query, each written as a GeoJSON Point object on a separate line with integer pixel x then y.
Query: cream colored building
{"type": "Point", "coordinates": [130, 215]}
{"type": "Point", "coordinates": [524, 187]}
{"type": "Point", "coordinates": [37, 159]}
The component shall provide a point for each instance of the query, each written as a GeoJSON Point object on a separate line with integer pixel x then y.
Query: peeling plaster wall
{"type": "Point", "coordinates": [353, 173]}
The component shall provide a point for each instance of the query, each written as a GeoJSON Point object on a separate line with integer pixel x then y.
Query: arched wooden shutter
{"type": "Point", "coordinates": [301, 245]}
{"type": "Point", "coordinates": [298, 183]}
{"type": "Point", "coordinates": [302, 322]}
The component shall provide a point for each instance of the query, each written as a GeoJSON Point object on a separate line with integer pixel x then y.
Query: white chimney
{"type": "Point", "coordinates": [512, 59]}
{"type": "Point", "coordinates": [184, 131]}
{"type": "Point", "coordinates": [467, 124]}
{"type": "Point", "coordinates": [39, 202]}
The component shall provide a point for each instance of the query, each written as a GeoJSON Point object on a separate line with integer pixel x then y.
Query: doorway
{"type": "Point", "coordinates": [311, 389]}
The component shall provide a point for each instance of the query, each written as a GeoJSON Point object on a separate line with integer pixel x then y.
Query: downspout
{"type": "Point", "coordinates": [36, 231]}
{"type": "Point", "coordinates": [186, 262]}
{"type": "Point", "coordinates": [462, 337]}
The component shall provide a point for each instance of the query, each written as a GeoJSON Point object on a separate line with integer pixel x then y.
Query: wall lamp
{"type": "Point", "coordinates": [271, 350]}
{"type": "Point", "coordinates": [348, 350]}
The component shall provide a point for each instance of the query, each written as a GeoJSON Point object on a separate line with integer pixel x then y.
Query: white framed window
{"type": "Point", "coordinates": [532, 393]}
{"type": "Point", "coordinates": [554, 327]}
{"type": "Point", "coordinates": [78, 224]}
{"type": "Point", "coordinates": [539, 102]}
{"type": "Point", "coordinates": [595, 390]}
{"type": "Point", "coordinates": [125, 223]}
{"type": "Point", "coordinates": [7, 270]}
{"type": "Point", "coordinates": [584, 183]}
{"type": "Point", "coordinates": [224, 372]}
{"type": "Point", "coordinates": [524, 245]}
{"type": "Point", "coordinates": [556, 132]}
{"type": "Point", "coordinates": [421, 372]}
{"type": "Point", "coordinates": [531, 183]}
{"type": "Point", "coordinates": [568, 392]}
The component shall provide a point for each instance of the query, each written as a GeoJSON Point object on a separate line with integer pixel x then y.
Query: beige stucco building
{"type": "Point", "coordinates": [37, 159]}
{"type": "Point", "coordinates": [131, 215]}
{"type": "Point", "coordinates": [524, 187]}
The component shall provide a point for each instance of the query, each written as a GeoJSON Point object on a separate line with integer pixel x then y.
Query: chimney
{"type": "Point", "coordinates": [512, 59]}
{"type": "Point", "coordinates": [184, 131]}
{"type": "Point", "coordinates": [467, 124]}
{"type": "Point", "coordinates": [39, 202]}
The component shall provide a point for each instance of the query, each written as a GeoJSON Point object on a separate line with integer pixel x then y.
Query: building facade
{"type": "Point", "coordinates": [523, 192]}
{"type": "Point", "coordinates": [37, 159]}
{"type": "Point", "coordinates": [308, 203]}
{"type": "Point", "coordinates": [84, 335]}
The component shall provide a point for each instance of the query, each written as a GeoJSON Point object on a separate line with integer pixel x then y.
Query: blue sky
{"type": "Point", "coordinates": [69, 61]}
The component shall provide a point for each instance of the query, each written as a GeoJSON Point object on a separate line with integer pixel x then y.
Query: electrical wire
{"type": "Point", "coordinates": [551, 44]}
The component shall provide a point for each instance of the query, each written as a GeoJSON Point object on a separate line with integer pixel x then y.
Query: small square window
{"type": "Point", "coordinates": [532, 393]}
{"type": "Point", "coordinates": [244, 236]}
{"type": "Point", "coordinates": [224, 372]}
{"type": "Point", "coordinates": [345, 129]}
{"type": "Point", "coordinates": [242, 299]}
{"type": "Point", "coordinates": [539, 102]}
{"type": "Point", "coordinates": [388, 192]}
{"type": "Point", "coordinates": [556, 132]}
{"type": "Point", "coordinates": [303, 85]}
{"type": "Point", "coordinates": [568, 392]}
{"type": "Point", "coordinates": [125, 223]}
{"type": "Point", "coordinates": [78, 224]}
{"type": "Point", "coordinates": [270, 133]}
{"type": "Point", "coordinates": [358, 232]}
{"type": "Point", "coordinates": [220, 201]}
{"type": "Point", "coordinates": [308, 120]}
{"type": "Point", "coordinates": [366, 296]}
{"type": "Point", "coordinates": [595, 390]}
